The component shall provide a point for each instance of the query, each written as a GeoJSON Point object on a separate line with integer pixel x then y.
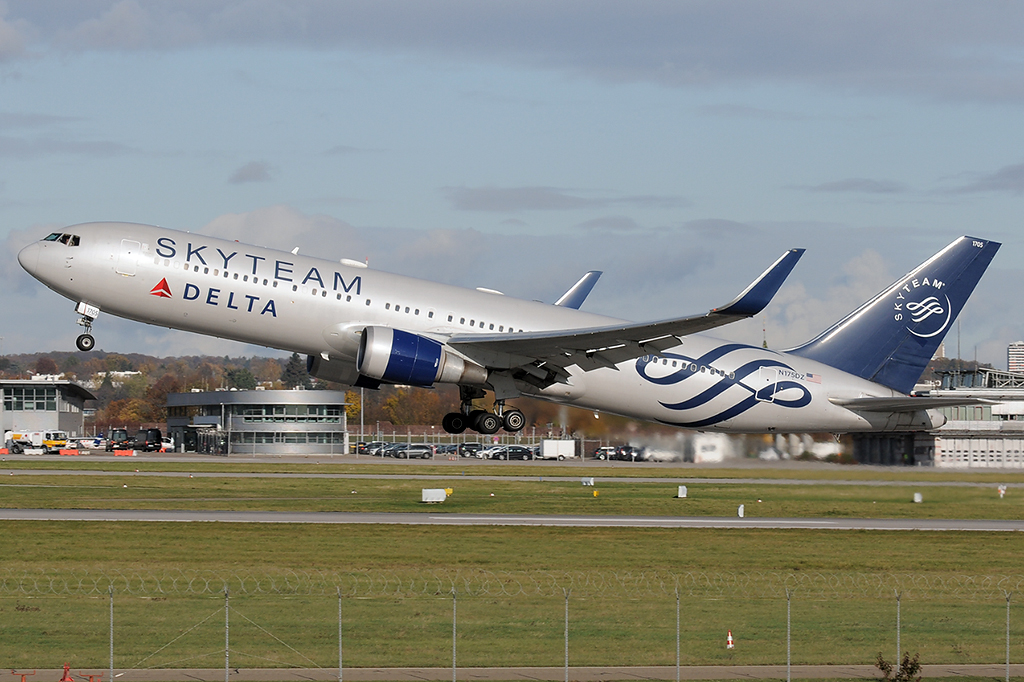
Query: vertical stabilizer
{"type": "Point", "coordinates": [891, 338]}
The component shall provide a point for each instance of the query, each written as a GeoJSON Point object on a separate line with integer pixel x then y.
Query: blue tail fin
{"type": "Point", "coordinates": [891, 338]}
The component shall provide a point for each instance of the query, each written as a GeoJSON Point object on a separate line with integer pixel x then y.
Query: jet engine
{"type": "Point", "coordinates": [341, 371]}
{"type": "Point", "coordinates": [400, 357]}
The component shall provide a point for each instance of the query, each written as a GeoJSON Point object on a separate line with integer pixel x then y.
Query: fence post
{"type": "Point", "coordinates": [339, 634]}
{"type": "Point", "coordinates": [898, 654]}
{"type": "Point", "coordinates": [227, 660]}
{"type": "Point", "coordinates": [566, 633]}
{"type": "Point", "coordinates": [111, 590]}
{"type": "Point", "coordinates": [677, 633]}
{"type": "Point", "coordinates": [1007, 635]}
{"type": "Point", "coordinates": [789, 600]}
{"type": "Point", "coordinates": [455, 611]}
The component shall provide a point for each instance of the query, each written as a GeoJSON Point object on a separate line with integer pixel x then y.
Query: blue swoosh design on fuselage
{"type": "Point", "coordinates": [725, 382]}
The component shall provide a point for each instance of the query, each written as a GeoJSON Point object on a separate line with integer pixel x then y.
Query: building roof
{"type": "Point", "coordinates": [70, 386]}
{"type": "Point", "coordinates": [256, 398]}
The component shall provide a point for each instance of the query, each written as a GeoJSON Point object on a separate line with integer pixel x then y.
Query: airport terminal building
{"type": "Point", "coordinates": [43, 405]}
{"type": "Point", "coordinates": [293, 422]}
{"type": "Point", "coordinates": [974, 436]}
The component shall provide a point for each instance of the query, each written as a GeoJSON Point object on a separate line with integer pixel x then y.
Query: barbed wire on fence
{"type": "Point", "coordinates": [483, 583]}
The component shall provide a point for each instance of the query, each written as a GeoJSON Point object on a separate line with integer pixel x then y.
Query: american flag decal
{"type": "Point", "coordinates": [814, 378]}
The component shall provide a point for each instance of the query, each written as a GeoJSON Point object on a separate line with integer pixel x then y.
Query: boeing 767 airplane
{"type": "Point", "coordinates": [365, 328]}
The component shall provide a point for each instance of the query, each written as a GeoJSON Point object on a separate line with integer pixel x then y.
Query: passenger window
{"type": "Point", "coordinates": [295, 287]}
{"type": "Point", "coordinates": [367, 301]}
{"type": "Point", "coordinates": [323, 293]}
{"type": "Point", "coordinates": [195, 268]}
{"type": "Point", "coordinates": [236, 275]}
{"type": "Point", "coordinates": [245, 278]}
{"type": "Point", "coordinates": [275, 283]}
{"type": "Point", "coordinates": [264, 282]}
{"type": "Point", "coordinates": [216, 272]}
{"type": "Point", "coordinates": [416, 312]}
{"type": "Point", "coordinates": [387, 306]}
{"type": "Point", "coordinates": [314, 291]}
{"type": "Point", "coordinates": [166, 262]}
{"type": "Point", "coordinates": [407, 309]}
{"type": "Point", "coordinates": [492, 326]}
{"type": "Point", "coordinates": [450, 317]}
{"type": "Point", "coordinates": [339, 295]}
{"type": "Point", "coordinates": [472, 323]}
{"type": "Point", "coordinates": [481, 324]}
{"type": "Point", "coordinates": [347, 299]}
{"type": "Point", "coordinates": [501, 328]}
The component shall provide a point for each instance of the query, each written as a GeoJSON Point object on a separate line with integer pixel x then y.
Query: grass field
{"type": "Point", "coordinates": [400, 627]}
{"type": "Point", "coordinates": [531, 495]}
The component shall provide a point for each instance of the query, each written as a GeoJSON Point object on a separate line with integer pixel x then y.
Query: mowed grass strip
{"type": "Point", "coordinates": [349, 464]}
{"type": "Point", "coordinates": [507, 496]}
{"type": "Point", "coordinates": [413, 627]}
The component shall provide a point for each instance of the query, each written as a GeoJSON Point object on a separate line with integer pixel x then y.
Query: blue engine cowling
{"type": "Point", "coordinates": [399, 357]}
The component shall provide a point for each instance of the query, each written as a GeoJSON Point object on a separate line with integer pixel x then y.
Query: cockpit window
{"type": "Point", "coordinates": [69, 239]}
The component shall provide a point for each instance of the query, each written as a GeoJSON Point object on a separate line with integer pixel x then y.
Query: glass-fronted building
{"type": "Point", "coordinates": [259, 422]}
{"type": "Point", "coordinates": [35, 405]}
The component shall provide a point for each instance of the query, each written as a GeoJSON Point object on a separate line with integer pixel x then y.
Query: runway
{"type": "Point", "coordinates": [435, 519]}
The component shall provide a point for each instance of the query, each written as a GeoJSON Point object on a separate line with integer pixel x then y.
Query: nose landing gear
{"type": "Point", "coordinates": [86, 342]}
{"type": "Point", "coordinates": [482, 421]}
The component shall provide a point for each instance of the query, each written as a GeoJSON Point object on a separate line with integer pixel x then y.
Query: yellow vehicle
{"type": "Point", "coordinates": [49, 441]}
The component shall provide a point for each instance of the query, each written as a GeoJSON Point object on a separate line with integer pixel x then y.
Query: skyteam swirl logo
{"type": "Point", "coordinates": [746, 384]}
{"type": "Point", "coordinates": [930, 315]}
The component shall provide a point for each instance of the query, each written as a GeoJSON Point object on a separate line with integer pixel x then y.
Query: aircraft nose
{"type": "Point", "coordinates": [29, 258]}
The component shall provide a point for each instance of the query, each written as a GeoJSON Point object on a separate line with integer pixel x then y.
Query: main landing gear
{"type": "Point", "coordinates": [482, 421]}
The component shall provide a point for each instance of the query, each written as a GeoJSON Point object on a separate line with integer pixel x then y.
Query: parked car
{"type": "Point", "coordinates": [447, 449]}
{"type": "Point", "coordinates": [374, 448]}
{"type": "Point", "coordinates": [507, 452]}
{"type": "Point", "coordinates": [414, 451]}
{"type": "Point", "coordinates": [629, 453]}
{"type": "Point", "coordinates": [167, 444]}
{"type": "Point", "coordinates": [119, 440]}
{"type": "Point", "coordinates": [390, 449]}
{"type": "Point", "coordinates": [148, 440]}
{"type": "Point", "coordinates": [606, 452]}
{"type": "Point", "coordinates": [470, 449]}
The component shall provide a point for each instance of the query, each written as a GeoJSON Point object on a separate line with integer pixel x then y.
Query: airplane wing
{"type": "Point", "coordinates": [544, 356]}
{"type": "Point", "coordinates": [578, 292]}
{"type": "Point", "coordinates": [906, 404]}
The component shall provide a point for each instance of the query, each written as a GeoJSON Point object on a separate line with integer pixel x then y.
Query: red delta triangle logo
{"type": "Point", "coordinates": [162, 290]}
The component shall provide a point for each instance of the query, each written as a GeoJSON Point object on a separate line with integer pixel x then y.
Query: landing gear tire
{"type": "Point", "coordinates": [455, 422]}
{"type": "Point", "coordinates": [85, 342]}
{"type": "Point", "coordinates": [513, 421]}
{"type": "Point", "coordinates": [487, 423]}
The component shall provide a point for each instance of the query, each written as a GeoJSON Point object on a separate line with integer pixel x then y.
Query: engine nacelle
{"type": "Point", "coordinates": [399, 357]}
{"type": "Point", "coordinates": [341, 371]}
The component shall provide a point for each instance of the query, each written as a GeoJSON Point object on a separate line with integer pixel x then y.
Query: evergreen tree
{"type": "Point", "coordinates": [241, 378]}
{"type": "Point", "coordinates": [294, 374]}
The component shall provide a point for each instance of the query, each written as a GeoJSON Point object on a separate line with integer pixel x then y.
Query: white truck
{"type": "Point", "coordinates": [557, 449]}
{"type": "Point", "coordinates": [47, 441]}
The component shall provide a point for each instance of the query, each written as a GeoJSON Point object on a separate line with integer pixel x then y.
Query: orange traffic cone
{"type": "Point", "coordinates": [728, 641]}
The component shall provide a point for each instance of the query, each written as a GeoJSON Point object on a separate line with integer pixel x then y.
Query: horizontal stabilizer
{"type": "Point", "coordinates": [906, 404]}
{"type": "Point", "coordinates": [578, 292]}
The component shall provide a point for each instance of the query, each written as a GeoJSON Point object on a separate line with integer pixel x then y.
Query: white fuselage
{"type": "Point", "coordinates": [318, 307]}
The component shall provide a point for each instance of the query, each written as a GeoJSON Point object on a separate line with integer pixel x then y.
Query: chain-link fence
{"type": "Point", "coordinates": [483, 583]}
{"type": "Point", "coordinates": [140, 619]}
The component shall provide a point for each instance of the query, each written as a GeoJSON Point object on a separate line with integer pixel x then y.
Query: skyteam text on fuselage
{"type": "Point", "coordinates": [364, 328]}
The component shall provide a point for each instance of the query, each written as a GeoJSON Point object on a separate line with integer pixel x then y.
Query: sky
{"type": "Point", "coordinates": [680, 147]}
